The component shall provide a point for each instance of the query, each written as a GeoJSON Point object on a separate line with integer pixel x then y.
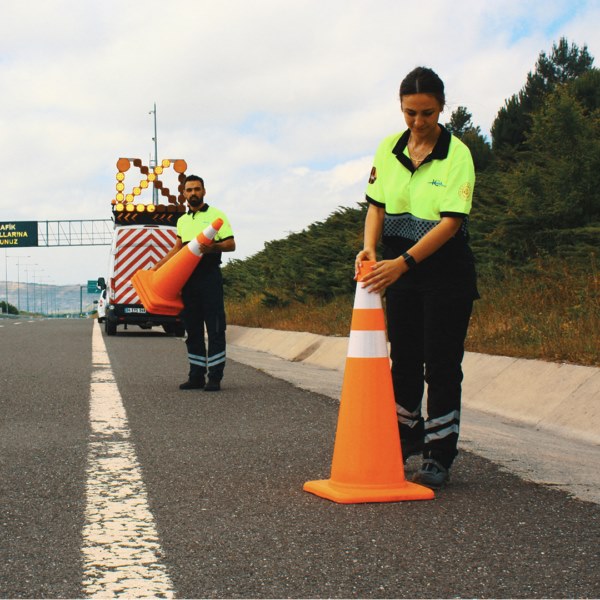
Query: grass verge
{"type": "Point", "coordinates": [546, 311]}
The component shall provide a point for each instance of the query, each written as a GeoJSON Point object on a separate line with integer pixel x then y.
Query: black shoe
{"type": "Point", "coordinates": [432, 474]}
{"type": "Point", "coordinates": [192, 384]}
{"type": "Point", "coordinates": [212, 386]}
{"type": "Point", "coordinates": [411, 448]}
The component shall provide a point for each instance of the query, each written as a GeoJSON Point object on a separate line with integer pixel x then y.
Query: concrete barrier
{"type": "Point", "coordinates": [558, 397]}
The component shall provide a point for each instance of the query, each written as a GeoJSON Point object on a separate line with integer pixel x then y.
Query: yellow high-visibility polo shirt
{"type": "Point", "coordinates": [416, 199]}
{"type": "Point", "coordinates": [193, 223]}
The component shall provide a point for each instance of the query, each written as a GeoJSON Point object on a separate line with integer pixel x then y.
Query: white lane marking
{"type": "Point", "coordinates": [121, 549]}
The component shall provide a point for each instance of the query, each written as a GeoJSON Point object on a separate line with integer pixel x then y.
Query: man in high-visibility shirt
{"type": "Point", "coordinates": [202, 295]}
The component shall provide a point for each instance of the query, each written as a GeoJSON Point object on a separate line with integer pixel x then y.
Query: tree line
{"type": "Point", "coordinates": [537, 193]}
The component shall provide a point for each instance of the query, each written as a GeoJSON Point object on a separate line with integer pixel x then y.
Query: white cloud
{"type": "Point", "coordinates": [279, 105]}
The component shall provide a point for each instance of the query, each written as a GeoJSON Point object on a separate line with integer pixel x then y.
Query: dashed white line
{"type": "Point", "coordinates": [121, 549]}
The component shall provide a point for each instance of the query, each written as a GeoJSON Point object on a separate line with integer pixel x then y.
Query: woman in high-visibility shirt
{"type": "Point", "coordinates": [419, 194]}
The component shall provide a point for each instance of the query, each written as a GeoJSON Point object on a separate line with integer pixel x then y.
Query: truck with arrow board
{"type": "Point", "coordinates": [143, 234]}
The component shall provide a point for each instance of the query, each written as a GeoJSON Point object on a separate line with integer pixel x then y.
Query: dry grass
{"type": "Point", "coordinates": [549, 313]}
{"type": "Point", "coordinates": [331, 318]}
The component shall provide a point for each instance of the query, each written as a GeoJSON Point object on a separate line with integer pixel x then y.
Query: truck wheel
{"type": "Point", "coordinates": [110, 327]}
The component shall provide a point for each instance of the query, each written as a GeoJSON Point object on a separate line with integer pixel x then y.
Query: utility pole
{"type": "Point", "coordinates": [155, 140]}
{"type": "Point", "coordinates": [6, 277]}
{"type": "Point", "coordinates": [19, 281]}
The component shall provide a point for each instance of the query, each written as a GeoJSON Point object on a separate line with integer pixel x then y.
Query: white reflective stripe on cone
{"type": "Point", "coordinates": [210, 232]}
{"type": "Point", "coordinates": [365, 299]}
{"type": "Point", "coordinates": [194, 247]}
{"type": "Point", "coordinates": [367, 344]}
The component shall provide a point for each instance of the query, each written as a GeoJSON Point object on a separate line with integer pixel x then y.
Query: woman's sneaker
{"type": "Point", "coordinates": [432, 474]}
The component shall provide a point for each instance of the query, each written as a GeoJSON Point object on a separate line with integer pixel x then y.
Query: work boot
{"type": "Point", "coordinates": [212, 386]}
{"type": "Point", "coordinates": [432, 474]}
{"type": "Point", "coordinates": [193, 383]}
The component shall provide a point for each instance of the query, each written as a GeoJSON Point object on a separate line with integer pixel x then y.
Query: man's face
{"type": "Point", "coordinates": [194, 193]}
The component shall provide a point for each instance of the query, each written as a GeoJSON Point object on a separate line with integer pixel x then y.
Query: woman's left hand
{"type": "Point", "coordinates": [384, 273]}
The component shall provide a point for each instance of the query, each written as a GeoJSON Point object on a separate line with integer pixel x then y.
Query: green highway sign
{"type": "Point", "coordinates": [92, 286]}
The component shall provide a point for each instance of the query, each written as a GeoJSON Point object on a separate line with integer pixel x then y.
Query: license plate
{"type": "Point", "coordinates": [135, 310]}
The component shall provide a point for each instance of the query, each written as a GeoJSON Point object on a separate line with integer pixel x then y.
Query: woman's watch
{"type": "Point", "coordinates": [409, 260]}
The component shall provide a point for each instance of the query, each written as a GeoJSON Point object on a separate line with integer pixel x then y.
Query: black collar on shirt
{"type": "Point", "coordinates": [439, 152]}
{"type": "Point", "coordinates": [203, 208]}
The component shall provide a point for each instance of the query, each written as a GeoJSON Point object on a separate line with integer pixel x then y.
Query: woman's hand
{"type": "Point", "coordinates": [384, 273]}
{"type": "Point", "coordinates": [363, 255]}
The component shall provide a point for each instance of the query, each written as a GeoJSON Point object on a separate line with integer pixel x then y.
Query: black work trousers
{"type": "Point", "coordinates": [427, 331]}
{"type": "Point", "coordinates": [204, 307]}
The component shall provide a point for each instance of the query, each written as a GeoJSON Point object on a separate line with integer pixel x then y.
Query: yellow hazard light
{"type": "Point", "coordinates": [119, 207]}
{"type": "Point", "coordinates": [158, 170]}
{"type": "Point", "coordinates": [166, 163]}
{"type": "Point", "coordinates": [144, 184]}
{"type": "Point", "coordinates": [150, 208]}
{"type": "Point", "coordinates": [129, 198]}
{"type": "Point", "coordinates": [140, 208]}
{"type": "Point", "coordinates": [130, 208]}
{"type": "Point", "coordinates": [120, 197]}
{"type": "Point", "coordinates": [120, 186]}
{"type": "Point", "coordinates": [151, 176]}
{"type": "Point", "coordinates": [120, 176]}
{"type": "Point", "coordinates": [137, 191]}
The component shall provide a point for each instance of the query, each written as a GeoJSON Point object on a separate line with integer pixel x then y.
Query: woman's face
{"type": "Point", "coordinates": [421, 113]}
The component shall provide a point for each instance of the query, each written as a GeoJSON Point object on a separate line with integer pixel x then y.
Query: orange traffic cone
{"type": "Point", "coordinates": [160, 290]}
{"type": "Point", "coordinates": [367, 457]}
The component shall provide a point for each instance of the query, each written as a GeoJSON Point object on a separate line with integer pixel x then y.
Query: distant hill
{"type": "Point", "coordinates": [47, 299]}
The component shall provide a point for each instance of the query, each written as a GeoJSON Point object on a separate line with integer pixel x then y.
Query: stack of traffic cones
{"type": "Point", "coordinates": [367, 457]}
{"type": "Point", "coordinates": [160, 290]}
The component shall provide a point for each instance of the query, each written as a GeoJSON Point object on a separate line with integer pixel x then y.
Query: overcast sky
{"type": "Point", "coordinates": [278, 105]}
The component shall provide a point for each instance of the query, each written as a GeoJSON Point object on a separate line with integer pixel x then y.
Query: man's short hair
{"type": "Point", "coordinates": [194, 178]}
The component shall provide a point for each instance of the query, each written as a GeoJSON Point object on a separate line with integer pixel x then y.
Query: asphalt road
{"type": "Point", "coordinates": [223, 475]}
{"type": "Point", "coordinates": [534, 453]}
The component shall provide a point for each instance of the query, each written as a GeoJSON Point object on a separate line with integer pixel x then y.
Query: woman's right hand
{"type": "Point", "coordinates": [363, 255]}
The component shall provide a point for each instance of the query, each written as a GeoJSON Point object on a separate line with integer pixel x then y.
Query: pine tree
{"type": "Point", "coordinates": [513, 122]}
{"type": "Point", "coordinates": [461, 125]}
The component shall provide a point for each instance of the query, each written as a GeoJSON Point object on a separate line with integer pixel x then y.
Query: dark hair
{"type": "Point", "coordinates": [423, 81]}
{"type": "Point", "coordinates": [194, 178]}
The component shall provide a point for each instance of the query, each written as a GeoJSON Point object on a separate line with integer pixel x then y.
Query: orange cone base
{"type": "Point", "coordinates": [355, 494]}
{"type": "Point", "coordinates": [151, 300]}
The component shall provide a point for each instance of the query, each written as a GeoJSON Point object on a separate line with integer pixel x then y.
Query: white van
{"type": "Point", "coordinates": [136, 247]}
{"type": "Point", "coordinates": [102, 306]}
